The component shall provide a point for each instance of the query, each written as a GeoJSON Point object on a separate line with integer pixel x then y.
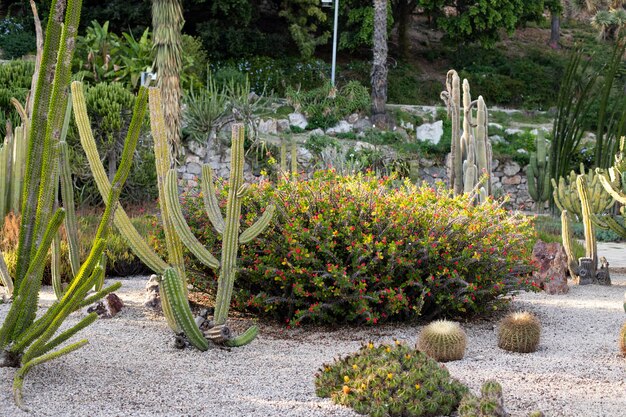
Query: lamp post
{"type": "Point", "coordinates": [327, 3]}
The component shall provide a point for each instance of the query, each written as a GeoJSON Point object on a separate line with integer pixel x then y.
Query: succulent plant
{"type": "Point", "coordinates": [489, 404]}
{"type": "Point", "coordinates": [519, 332]}
{"type": "Point", "coordinates": [443, 341]}
{"type": "Point", "coordinates": [390, 380]}
{"type": "Point", "coordinates": [622, 339]}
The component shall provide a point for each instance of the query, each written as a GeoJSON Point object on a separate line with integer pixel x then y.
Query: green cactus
{"type": "Point", "coordinates": [591, 246]}
{"type": "Point", "coordinates": [471, 151]}
{"type": "Point", "coordinates": [567, 238]}
{"type": "Point", "coordinates": [24, 341]}
{"type": "Point", "coordinates": [538, 173]}
{"type": "Point", "coordinates": [171, 289]}
{"type": "Point", "coordinates": [565, 193]}
{"type": "Point", "coordinates": [519, 332]}
{"type": "Point", "coordinates": [443, 341]}
{"type": "Point", "coordinates": [228, 227]}
{"type": "Point", "coordinates": [622, 339]}
{"type": "Point", "coordinates": [490, 404]}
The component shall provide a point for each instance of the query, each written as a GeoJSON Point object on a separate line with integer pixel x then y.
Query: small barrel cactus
{"type": "Point", "coordinates": [519, 332]}
{"type": "Point", "coordinates": [443, 341]}
{"type": "Point", "coordinates": [622, 339]}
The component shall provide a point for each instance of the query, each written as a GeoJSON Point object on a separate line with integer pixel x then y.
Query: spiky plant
{"type": "Point", "coordinates": [603, 21]}
{"type": "Point", "coordinates": [390, 380]}
{"type": "Point", "coordinates": [519, 332]}
{"type": "Point", "coordinates": [443, 341]}
{"type": "Point", "coordinates": [489, 404]}
{"type": "Point", "coordinates": [24, 341]}
{"type": "Point", "coordinates": [167, 22]}
{"type": "Point", "coordinates": [622, 339]}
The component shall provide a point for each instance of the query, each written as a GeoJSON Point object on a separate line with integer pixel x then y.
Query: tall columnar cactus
{"type": "Point", "coordinates": [566, 195]}
{"type": "Point", "coordinates": [567, 238]}
{"type": "Point", "coordinates": [588, 266]}
{"type": "Point", "coordinates": [228, 227]}
{"type": "Point", "coordinates": [539, 173]}
{"type": "Point", "coordinates": [24, 341]}
{"type": "Point", "coordinates": [12, 158]}
{"type": "Point", "coordinates": [471, 153]}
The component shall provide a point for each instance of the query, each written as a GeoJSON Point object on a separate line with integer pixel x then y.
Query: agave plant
{"type": "Point", "coordinates": [604, 21]}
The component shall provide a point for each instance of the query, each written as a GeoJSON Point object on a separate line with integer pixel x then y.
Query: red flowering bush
{"type": "Point", "coordinates": [364, 249]}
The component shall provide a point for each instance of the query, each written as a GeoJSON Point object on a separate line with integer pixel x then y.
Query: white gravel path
{"type": "Point", "coordinates": [130, 367]}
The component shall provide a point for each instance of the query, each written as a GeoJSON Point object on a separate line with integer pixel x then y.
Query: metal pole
{"type": "Point", "coordinates": [334, 64]}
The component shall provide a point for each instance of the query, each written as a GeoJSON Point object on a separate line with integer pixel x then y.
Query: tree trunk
{"type": "Point", "coordinates": [379, 66]}
{"type": "Point", "coordinates": [403, 26]}
{"type": "Point", "coordinates": [555, 30]}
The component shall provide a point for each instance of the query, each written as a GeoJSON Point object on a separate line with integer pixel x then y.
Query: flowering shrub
{"type": "Point", "coordinates": [363, 249]}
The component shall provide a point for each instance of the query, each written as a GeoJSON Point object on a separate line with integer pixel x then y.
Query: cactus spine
{"type": "Point", "coordinates": [539, 173]}
{"type": "Point", "coordinates": [471, 153]}
{"type": "Point", "coordinates": [24, 341]}
{"type": "Point", "coordinates": [228, 227]}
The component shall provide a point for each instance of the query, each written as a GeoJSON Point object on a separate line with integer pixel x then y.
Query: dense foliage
{"type": "Point", "coordinates": [362, 249]}
{"type": "Point", "coordinates": [15, 78]}
{"type": "Point", "coordinates": [390, 380]}
{"type": "Point", "coordinates": [16, 39]}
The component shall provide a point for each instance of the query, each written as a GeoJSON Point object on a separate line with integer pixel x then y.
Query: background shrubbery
{"type": "Point", "coordinates": [362, 249]}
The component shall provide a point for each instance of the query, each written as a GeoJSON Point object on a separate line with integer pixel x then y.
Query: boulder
{"type": "Point", "coordinates": [268, 127]}
{"type": "Point", "coordinates": [341, 127]}
{"type": "Point", "coordinates": [552, 273]}
{"type": "Point", "coordinates": [431, 132]}
{"type": "Point", "coordinates": [108, 307]}
{"type": "Point", "coordinates": [282, 125]}
{"type": "Point", "coordinates": [298, 119]}
{"type": "Point", "coordinates": [153, 299]}
{"type": "Point", "coordinates": [513, 131]}
{"type": "Point", "coordinates": [362, 125]}
{"type": "Point", "coordinates": [511, 168]}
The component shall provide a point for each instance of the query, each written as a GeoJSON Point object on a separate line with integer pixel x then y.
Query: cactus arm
{"type": "Point", "coordinates": [452, 99]}
{"type": "Point", "coordinates": [177, 299]}
{"type": "Point", "coordinates": [228, 270]}
{"type": "Point", "coordinates": [162, 156]}
{"type": "Point", "coordinates": [294, 160]}
{"type": "Point", "coordinates": [37, 133]}
{"type": "Point", "coordinates": [62, 337]}
{"type": "Point", "coordinates": [259, 226]}
{"type": "Point", "coordinates": [209, 196]}
{"type": "Point", "coordinates": [6, 279]}
{"type": "Point", "coordinates": [55, 266]}
{"type": "Point", "coordinates": [616, 193]}
{"type": "Point", "coordinates": [168, 312]}
{"type": "Point", "coordinates": [100, 294]}
{"type": "Point", "coordinates": [18, 380]}
{"type": "Point", "coordinates": [181, 226]}
{"type": "Point", "coordinates": [121, 219]}
{"type": "Point", "coordinates": [566, 236]}
{"type": "Point", "coordinates": [4, 179]}
{"type": "Point", "coordinates": [481, 140]}
{"type": "Point", "coordinates": [19, 152]}
{"type": "Point", "coordinates": [243, 339]}
{"type": "Point", "coordinates": [71, 224]}
{"type": "Point", "coordinates": [101, 268]}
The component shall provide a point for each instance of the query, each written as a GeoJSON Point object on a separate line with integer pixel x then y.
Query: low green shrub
{"type": "Point", "coordinates": [15, 38]}
{"type": "Point", "coordinates": [361, 249]}
{"type": "Point", "coordinates": [15, 80]}
{"type": "Point", "coordinates": [390, 380]}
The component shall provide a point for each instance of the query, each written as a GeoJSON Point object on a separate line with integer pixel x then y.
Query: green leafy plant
{"type": "Point", "coordinates": [25, 340]}
{"type": "Point", "coordinates": [443, 341]}
{"type": "Point", "coordinates": [362, 249]}
{"type": "Point", "coordinates": [390, 380]}
{"type": "Point", "coordinates": [519, 332]}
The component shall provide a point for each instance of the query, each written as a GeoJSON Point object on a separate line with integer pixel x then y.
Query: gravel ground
{"type": "Point", "coordinates": [130, 367]}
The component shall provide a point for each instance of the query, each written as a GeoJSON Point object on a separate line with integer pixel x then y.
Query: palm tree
{"type": "Point", "coordinates": [167, 22]}
{"type": "Point", "coordinates": [603, 20]}
{"type": "Point", "coordinates": [379, 66]}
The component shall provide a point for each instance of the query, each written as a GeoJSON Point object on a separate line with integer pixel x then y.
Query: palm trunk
{"type": "Point", "coordinates": [379, 66]}
{"type": "Point", "coordinates": [167, 22]}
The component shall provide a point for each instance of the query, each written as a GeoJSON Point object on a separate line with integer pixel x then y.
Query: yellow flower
{"type": "Point", "coordinates": [363, 386]}
{"type": "Point", "coordinates": [355, 367]}
{"type": "Point", "coordinates": [370, 346]}
{"type": "Point", "coordinates": [397, 343]}
{"type": "Point", "coordinates": [388, 349]}
{"type": "Point", "coordinates": [389, 375]}
{"type": "Point", "coordinates": [417, 386]}
{"type": "Point", "coordinates": [408, 356]}
{"type": "Point", "coordinates": [346, 389]}
{"type": "Point", "coordinates": [346, 378]}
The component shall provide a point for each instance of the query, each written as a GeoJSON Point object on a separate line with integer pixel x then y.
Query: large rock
{"type": "Point", "coordinates": [511, 168]}
{"type": "Point", "coordinates": [341, 127]}
{"type": "Point", "coordinates": [108, 307]}
{"type": "Point", "coordinates": [552, 273]}
{"type": "Point", "coordinates": [298, 119]}
{"type": "Point", "coordinates": [362, 125]}
{"type": "Point", "coordinates": [431, 132]}
{"type": "Point", "coordinates": [268, 127]}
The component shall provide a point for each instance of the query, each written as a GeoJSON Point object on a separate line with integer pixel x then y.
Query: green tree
{"type": "Point", "coordinates": [480, 21]}
{"type": "Point", "coordinates": [304, 18]}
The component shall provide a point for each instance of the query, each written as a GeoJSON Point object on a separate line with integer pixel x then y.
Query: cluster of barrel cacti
{"type": "Point", "coordinates": [471, 155]}
{"type": "Point", "coordinates": [24, 341]}
{"type": "Point", "coordinates": [519, 332]}
{"type": "Point", "coordinates": [443, 341]}
{"type": "Point", "coordinates": [489, 404]}
{"type": "Point", "coordinates": [538, 172]}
